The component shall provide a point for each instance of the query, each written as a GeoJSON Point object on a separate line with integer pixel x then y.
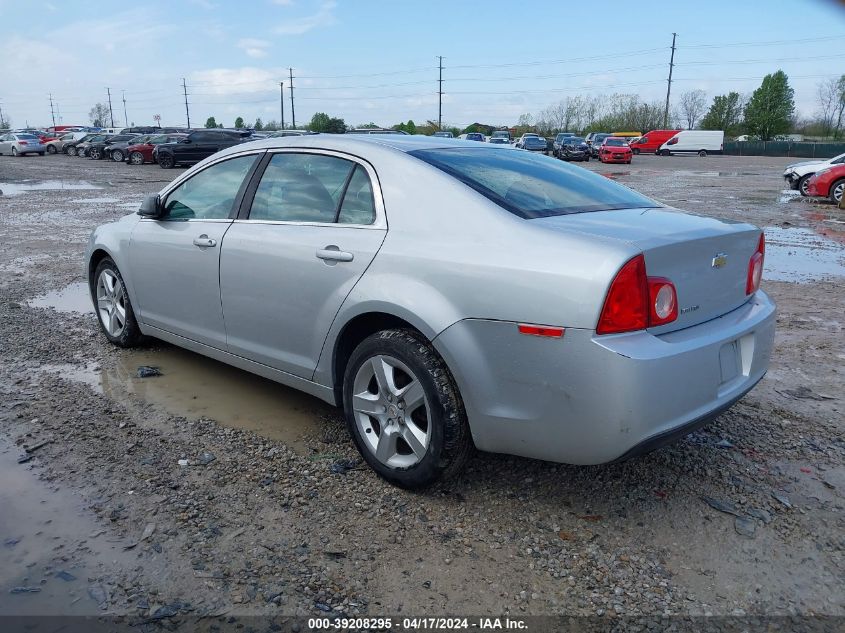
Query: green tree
{"type": "Point", "coordinates": [210, 122]}
{"type": "Point", "coordinates": [770, 109]}
{"type": "Point", "coordinates": [725, 114]}
{"type": "Point", "coordinates": [239, 122]}
{"type": "Point", "coordinates": [322, 122]}
{"type": "Point", "coordinates": [258, 124]}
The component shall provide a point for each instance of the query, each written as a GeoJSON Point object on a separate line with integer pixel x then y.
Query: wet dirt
{"type": "Point", "coordinates": [802, 255]}
{"type": "Point", "coordinates": [192, 386]}
{"type": "Point", "coordinates": [73, 298]}
{"type": "Point", "coordinates": [17, 188]}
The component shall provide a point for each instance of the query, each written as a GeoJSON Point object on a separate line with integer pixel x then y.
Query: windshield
{"type": "Point", "coordinates": [615, 142]}
{"type": "Point", "coordinates": [573, 140]}
{"type": "Point", "coordinates": [498, 140]}
{"type": "Point", "coordinates": [531, 186]}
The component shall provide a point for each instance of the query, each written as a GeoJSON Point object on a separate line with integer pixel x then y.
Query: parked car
{"type": "Point", "coordinates": [443, 135]}
{"type": "Point", "coordinates": [58, 145]}
{"type": "Point", "coordinates": [559, 139]}
{"type": "Point", "coordinates": [102, 149]}
{"type": "Point", "coordinates": [283, 133]}
{"type": "Point", "coordinates": [598, 139]}
{"type": "Point", "coordinates": [828, 182]}
{"type": "Point", "coordinates": [651, 141]}
{"type": "Point", "coordinates": [142, 152]}
{"type": "Point", "coordinates": [196, 146]}
{"type": "Point", "coordinates": [83, 147]}
{"type": "Point", "coordinates": [797, 175]}
{"type": "Point", "coordinates": [701, 142]}
{"type": "Point", "coordinates": [500, 141]}
{"type": "Point", "coordinates": [472, 136]}
{"type": "Point", "coordinates": [615, 150]}
{"type": "Point", "coordinates": [21, 144]}
{"type": "Point", "coordinates": [70, 147]}
{"type": "Point", "coordinates": [533, 143]}
{"type": "Point", "coordinates": [502, 134]}
{"type": "Point", "coordinates": [573, 148]}
{"type": "Point", "coordinates": [595, 290]}
{"type": "Point", "coordinates": [594, 137]}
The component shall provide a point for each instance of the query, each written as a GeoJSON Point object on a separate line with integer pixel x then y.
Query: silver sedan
{"type": "Point", "coordinates": [21, 144]}
{"type": "Point", "coordinates": [446, 294]}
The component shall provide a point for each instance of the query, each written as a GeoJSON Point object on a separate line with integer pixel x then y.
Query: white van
{"type": "Point", "coordinates": [701, 142]}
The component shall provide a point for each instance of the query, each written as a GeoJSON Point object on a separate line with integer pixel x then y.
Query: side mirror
{"type": "Point", "coordinates": [151, 207]}
{"type": "Point", "coordinates": [185, 140]}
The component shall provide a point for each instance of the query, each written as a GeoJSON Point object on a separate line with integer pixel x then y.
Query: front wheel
{"type": "Point", "coordinates": [836, 191]}
{"type": "Point", "coordinates": [636, 150]}
{"type": "Point", "coordinates": [165, 161]}
{"type": "Point", "coordinates": [51, 149]}
{"type": "Point", "coordinates": [96, 154]}
{"type": "Point", "coordinates": [136, 158]}
{"type": "Point", "coordinates": [70, 151]}
{"type": "Point", "coordinates": [587, 158]}
{"type": "Point", "coordinates": [15, 151]}
{"type": "Point", "coordinates": [665, 152]}
{"type": "Point", "coordinates": [117, 155]}
{"type": "Point", "coordinates": [112, 305]}
{"type": "Point", "coordinates": [404, 411]}
{"type": "Point", "coordinates": [802, 184]}
{"type": "Point", "coordinates": [702, 153]}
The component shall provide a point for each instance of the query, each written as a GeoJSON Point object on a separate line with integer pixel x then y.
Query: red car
{"type": "Point", "coordinates": [143, 152]}
{"type": "Point", "coordinates": [828, 183]}
{"type": "Point", "coordinates": [615, 149]}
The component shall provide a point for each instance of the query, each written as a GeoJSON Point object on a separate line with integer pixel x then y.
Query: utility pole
{"type": "Point", "coordinates": [282, 101]}
{"type": "Point", "coordinates": [125, 118]}
{"type": "Point", "coordinates": [111, 114]}
{"type": "Point", "coordinates": [669, 84]}
{"type": "Point", "coordinates": [2, 120]}
{"type": "Point", "coordinates": [52, 114]}
{"type": "Point", "coordinates": [440, 96]}
{"type": "Point", "coordinates": [187, 112]}
{"type": "Point", "coordinates": [292, 111]}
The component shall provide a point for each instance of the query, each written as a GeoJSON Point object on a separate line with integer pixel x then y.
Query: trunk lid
{"type": "Point", "coordinates": [707, 259]}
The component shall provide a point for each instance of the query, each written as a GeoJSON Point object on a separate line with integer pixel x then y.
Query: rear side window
{"type": "Point", "coordinates": [531, 186]}
{"type": "Point", "coordinates": [358, 206]}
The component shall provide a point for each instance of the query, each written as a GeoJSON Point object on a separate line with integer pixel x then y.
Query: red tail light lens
{"type": "Point", "coordinates": [755, 267]}
{"type": "Point", "coordinates": [636, 301]}
{"type": "Point", "coordinates": [22, 143]}
{"type": "Point", "coordinates": [625, 308]}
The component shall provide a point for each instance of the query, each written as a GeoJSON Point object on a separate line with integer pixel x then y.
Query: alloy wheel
{"type": "Point", "coordinates": [117, 156]}
{"type": "Point", "coordinates": [136, 158]}
{"type": "Point", "coordinates": [391, 411]}
{"type": "Point", "coordinates": [838, 190]}
{"type": "Point", "coordinates": [111, 302]}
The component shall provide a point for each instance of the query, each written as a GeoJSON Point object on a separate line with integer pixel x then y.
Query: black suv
{"type": "Point", "coordinates": [197, 146]}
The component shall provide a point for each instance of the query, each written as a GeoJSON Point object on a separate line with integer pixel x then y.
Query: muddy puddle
{"type": "Point", "coordinates": [193, 386]}
{"type": "Point", "coordinates": [73, 298]}
{"type": "Point", "coordinates": [802, 255]}
{"type": "Point", "coordinates": [17, 188]}
{"type": "Point", "coordinates": [50, 545]}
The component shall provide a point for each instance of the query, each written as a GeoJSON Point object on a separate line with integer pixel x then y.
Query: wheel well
{"type": "Point", "coordinates": [351, 336]}
{"type": "Point", "coordinates": [96, 257]}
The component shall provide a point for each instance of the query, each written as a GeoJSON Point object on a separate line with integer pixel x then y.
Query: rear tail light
{"type": "Point", "coordinates": [755, 267]}
{"type": "Point", "coordinates": [636, 301]}
{"type": "Point", "coordinates": [22, 143]}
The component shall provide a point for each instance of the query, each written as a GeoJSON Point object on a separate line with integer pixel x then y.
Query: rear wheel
{"type": "Point", "coordinates": [117, 155]}
{"type": "Point", "coordinates": [665, 152]}
{"type": "Point", "coordinates": [836, 191]}
{"type": "Point", "coordinates": [802, 184]}
{"type": "Point", "coordinates": [41, 153]}
{"type": "Point", "coordinates": [70, 151]}
{"type": "Point", "coordinates": [165, 161]}
{"type": "Point", "coordinates": [96, 153]}
{"type": "Point", "coordinates": [702, 153]}
{"type": "Point", "coordinates": [136, 158]}
{"type": "Point", "coordinates": [112, 305]}
{"type": "Point", "coordinates": [15, 151]}
{"type": "Point", "coordinates": [404, 411]}
{"type": "Point", "coordinates": [51, 149]}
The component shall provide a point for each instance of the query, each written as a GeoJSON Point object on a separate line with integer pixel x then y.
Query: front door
{"type": "Point", "coordinates": [175, 260]}
{"type": "Point", "coordinates": [312, 230]}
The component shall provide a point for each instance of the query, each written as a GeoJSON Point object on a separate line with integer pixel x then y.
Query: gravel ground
{"type": "Point", "coordinates": [743, 517]}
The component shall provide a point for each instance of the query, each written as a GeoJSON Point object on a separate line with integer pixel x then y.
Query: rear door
{"type": "Point", "coordinates": [314, 224]}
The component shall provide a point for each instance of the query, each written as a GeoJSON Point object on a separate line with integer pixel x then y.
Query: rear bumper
{"type": "Point", "coordinates": [587, 399]}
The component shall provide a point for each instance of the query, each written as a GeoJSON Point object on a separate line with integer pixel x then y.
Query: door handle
{"type": "Point", "coordinates": [204, 241]}
{"type": "Point", "coordinates": [334, 254]}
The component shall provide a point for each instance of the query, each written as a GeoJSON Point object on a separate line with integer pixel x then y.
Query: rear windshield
{"type": "Point", "coordinates": [26, 136]}
{"type": "Point", "coordinates": [532, 186]}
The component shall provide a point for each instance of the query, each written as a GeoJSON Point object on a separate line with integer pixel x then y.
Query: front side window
{"type": "Point", "coordinates": [210, 194]}
{"type": "Point", "coordinates": [309, 188]}
{"type": "Point", "coordinates": [531, 186]}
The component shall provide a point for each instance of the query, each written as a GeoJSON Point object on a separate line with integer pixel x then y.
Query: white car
{"type": "Point", "coordinates": [798, 174]}
{"type": "Point", "coordinates": [21, 144]}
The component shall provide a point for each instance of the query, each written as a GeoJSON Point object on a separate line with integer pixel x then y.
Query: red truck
{"type": "Point", "coordinates": [651, 141]}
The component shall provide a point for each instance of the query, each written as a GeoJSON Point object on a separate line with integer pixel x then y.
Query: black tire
{"type": "Point", "coordinates": [627, 162]}
{"type": "Point", "coordinates": [665, 152]}
{"type": "Point", "coordinates": [587, 159]}
{"type": "Point", "coordinates": [451, 443]}
{"type": "Point", "coordinates": [117, 155]}
{"type": "Point", "coordinates": [96, 153]}
{"type": "Point", "coordinates": [135, 158]}
{"type": "Point", "coordinates": [636, 150]}
{"type": "Point", "coordinates": [165, 161]}
{"type": "Point", "coordinates": [839, 186]}
{"type": "Point", "coordinates": [131, 334]}
{"type": "Point", "coordinates": [70, 151]}
{"type": "Point", "coordinates": [802, 184]}
{"type": "Point", "coordinates": [702, 153]}
{"type": "Point", "coordinates": [15, 152]}
{"type": "Point", "coordinates": [51, 149]}
{"type": "Point", "coordinates": [41, 153]}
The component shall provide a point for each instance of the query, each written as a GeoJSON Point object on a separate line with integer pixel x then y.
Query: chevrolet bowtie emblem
{"type": "Point", "coordinates": [719, 261]}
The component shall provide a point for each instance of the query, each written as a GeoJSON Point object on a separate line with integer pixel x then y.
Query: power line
{"type": "Point", "coordinates": [187, 111]}
{"type": "Point", "coordinates": [440, 95]}
{"type": "Point", "coordinates": [52, 114]}
{"type": "Point", "coordinates": [282, 101]}
{"type": "Point", "coordinates": [292, 111]}
{"type": "Point", "coordinates": [125, 117]}
{"type": "Point", "coordinates": [825, 38]}
{"type": "Point", "coordinates": [111, 114]}
{"type": "Point", "coordinates": [669, 83]}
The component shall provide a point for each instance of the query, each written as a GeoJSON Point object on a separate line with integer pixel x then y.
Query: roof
{"type": "Point", "coordinates": [400, 142]}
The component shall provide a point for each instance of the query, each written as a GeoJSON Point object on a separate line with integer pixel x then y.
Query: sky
{"type": "Point", "coordinates": [377, 61]}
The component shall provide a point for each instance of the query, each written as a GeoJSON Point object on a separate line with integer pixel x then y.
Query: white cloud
{"type": "Point", "coordinates": [228, 81]}
{"type": "Point", "coordinates": [253, 47]}
{"type": "Point", "coordinates": [297, 26]}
